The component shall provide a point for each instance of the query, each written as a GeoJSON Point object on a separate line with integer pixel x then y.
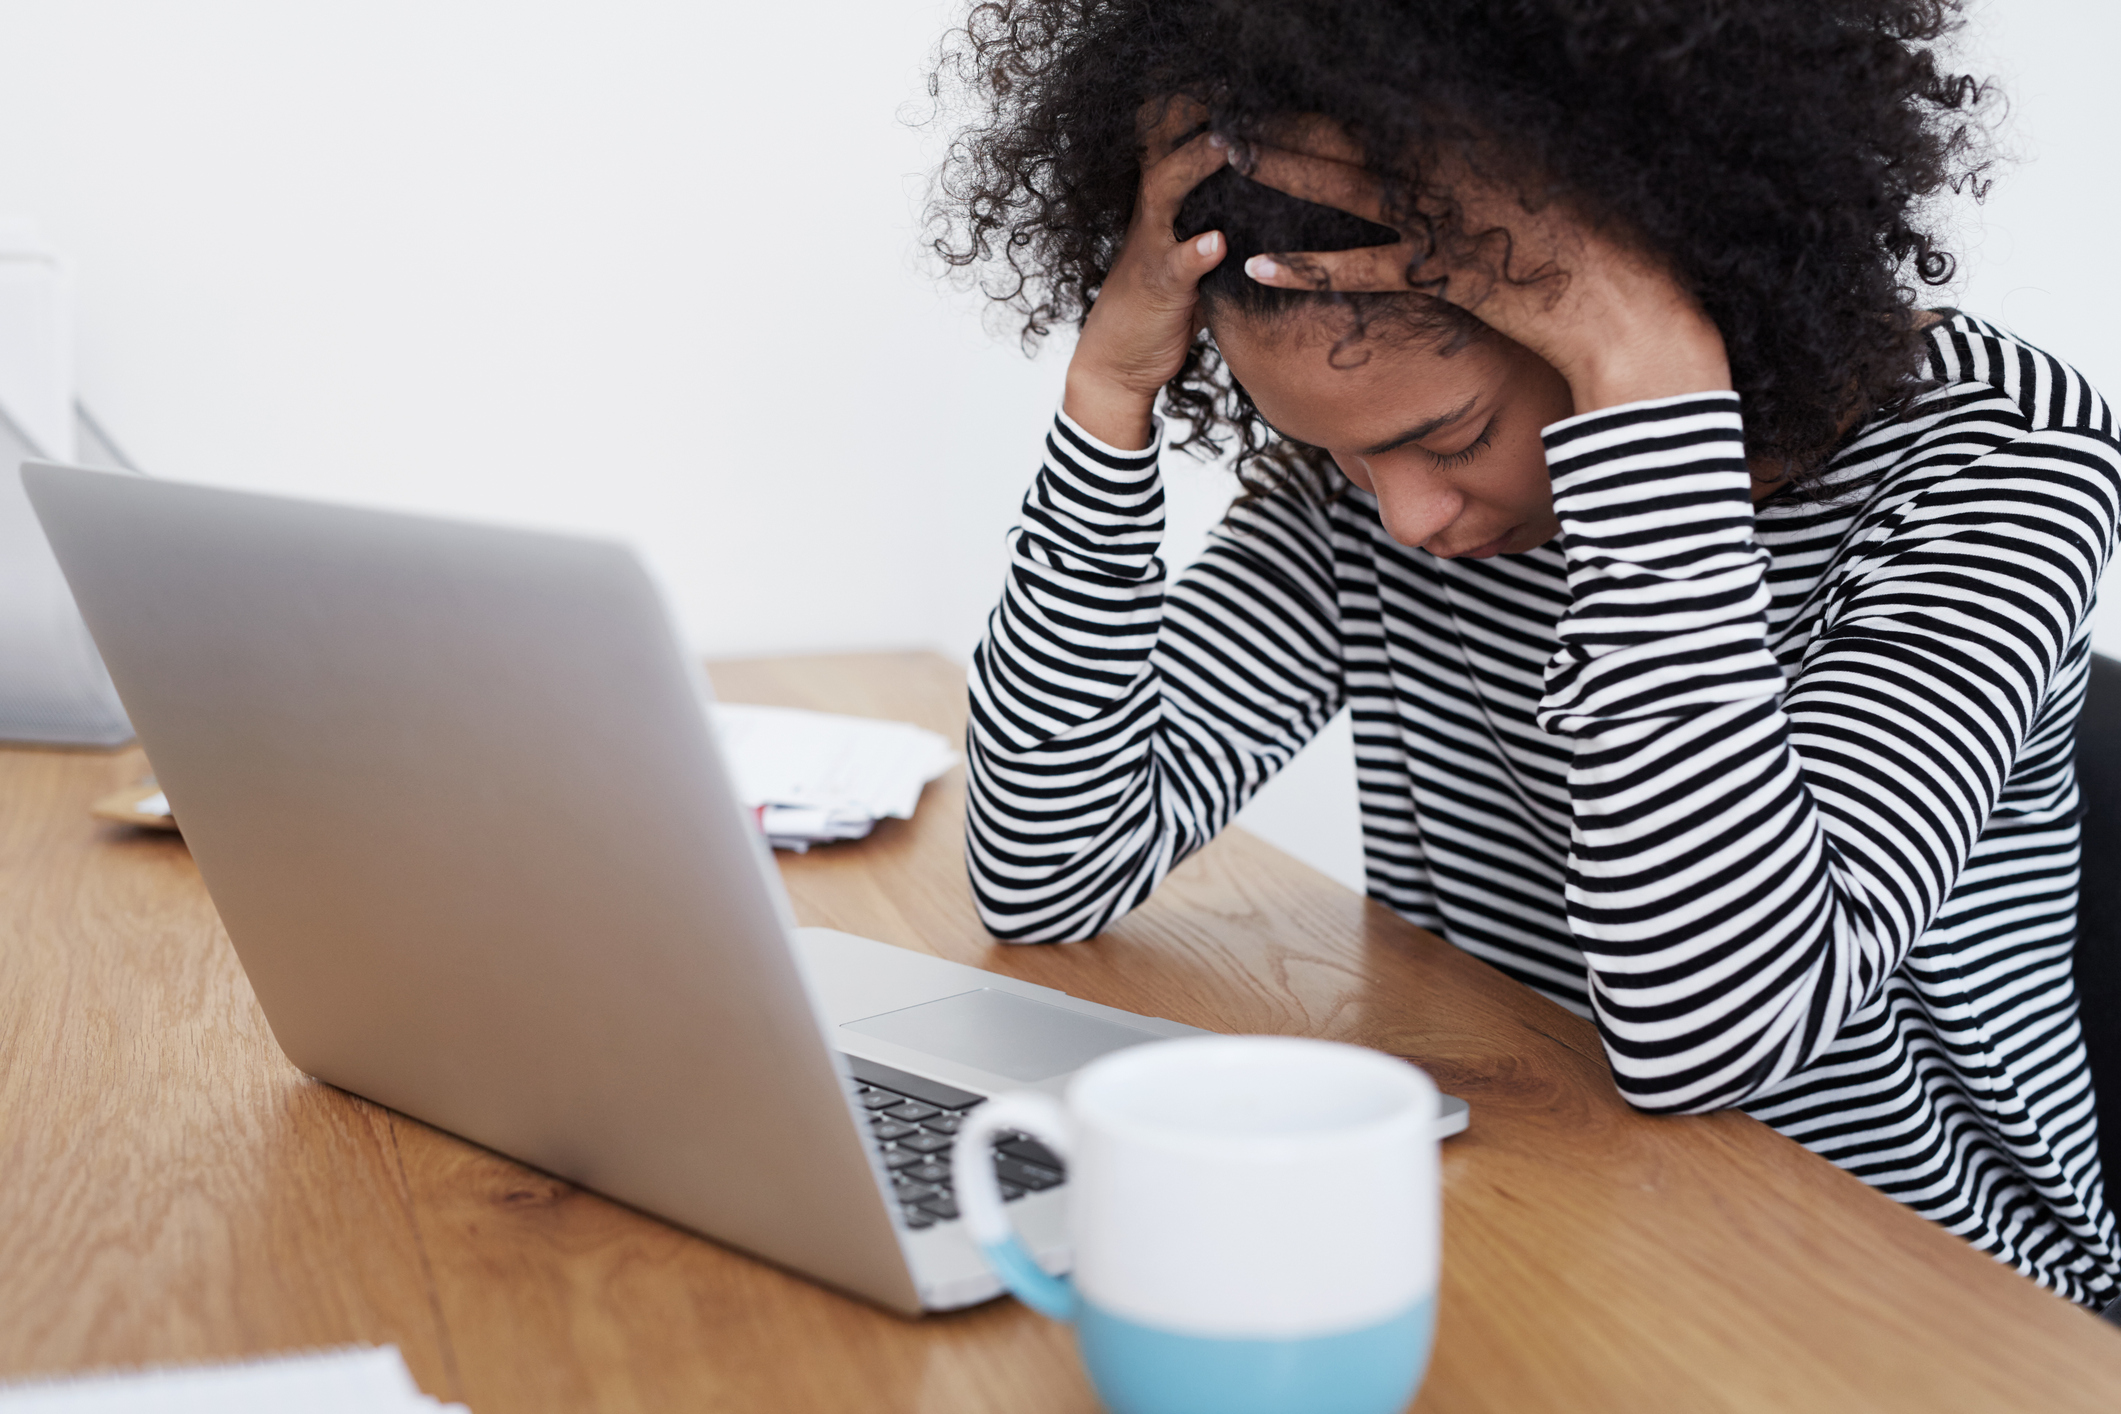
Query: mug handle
{"type": "Point", "coordinates": [979, 1194]}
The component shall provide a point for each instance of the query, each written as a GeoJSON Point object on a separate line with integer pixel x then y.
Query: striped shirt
{"type": "Point", "coordinates": [1781, 796]}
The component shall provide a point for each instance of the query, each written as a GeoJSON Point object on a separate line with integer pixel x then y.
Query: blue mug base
{"type": "Point", "coordinates": [1139, 1369]}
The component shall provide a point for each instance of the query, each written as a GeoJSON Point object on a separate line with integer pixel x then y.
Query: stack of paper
{"type": "Point", "coordinates": [807, 777]}
{"type": "Point", "coordinates": [813, 777]}
{"type": "Point", "coordinates": [360, 1380]}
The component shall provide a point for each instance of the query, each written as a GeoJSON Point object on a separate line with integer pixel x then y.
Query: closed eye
{"type": "Point", "coordinates": [1466, 453]}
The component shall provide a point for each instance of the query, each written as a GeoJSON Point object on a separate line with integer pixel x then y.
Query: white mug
{"type": "Point", "coordinates": [1255, 1222]}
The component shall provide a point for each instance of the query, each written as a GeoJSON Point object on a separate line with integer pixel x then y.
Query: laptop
{"type": "Point", "coordinates": [457, 798]}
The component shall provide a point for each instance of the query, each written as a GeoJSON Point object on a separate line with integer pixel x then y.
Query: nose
{"type": "Point", "coordinates": [1416, 509]}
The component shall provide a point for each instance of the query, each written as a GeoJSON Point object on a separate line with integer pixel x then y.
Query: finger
{"type": "Point", "coordinates": [1166, 185]}
{"type": "Point", "coordinates": [1163, 124]}
{"type": "Point", "coordinates": [1314, 135]}
{"type": "Point", "coordinates": [1172, 280]}
{"type": "Point", "coordinates": [1191, 259]}
{"type": "Point", "coordinates": [1340, 185]}
{"type": "Point", "coordinates": [1377, 269]}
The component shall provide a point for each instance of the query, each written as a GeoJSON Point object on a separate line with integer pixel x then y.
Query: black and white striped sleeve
{"type": "Point", "coordinates": [1117, 726]}
{"type": "Point", "coordinates": [1750, 860]}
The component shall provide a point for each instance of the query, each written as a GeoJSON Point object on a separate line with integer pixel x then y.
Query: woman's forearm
{"type": "Point", "coordinates": [1750, 861]}
{"type": "Point", "coordinates": [1118, 724]}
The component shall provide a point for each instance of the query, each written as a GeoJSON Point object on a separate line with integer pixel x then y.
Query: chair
{"type": "Point", "coordinates": [2098, 951]}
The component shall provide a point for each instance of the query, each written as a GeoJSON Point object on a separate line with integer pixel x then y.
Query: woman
{"type": "Point", "coordinates": [1712, 619]}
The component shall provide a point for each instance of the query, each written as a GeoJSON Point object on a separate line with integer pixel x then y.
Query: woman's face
{"type": "Point", "coordinates": [1449, 445]}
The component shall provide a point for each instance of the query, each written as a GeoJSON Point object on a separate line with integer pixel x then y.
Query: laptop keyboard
{"type": "Point", "coordinates": [915, 1121]}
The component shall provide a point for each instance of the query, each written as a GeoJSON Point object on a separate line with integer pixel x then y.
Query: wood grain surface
{"type": "Point", "coordinates": [171, 1188]}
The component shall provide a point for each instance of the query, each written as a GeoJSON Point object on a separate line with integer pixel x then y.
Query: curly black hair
{"type": "Point", "coordinates": [1780, 156]}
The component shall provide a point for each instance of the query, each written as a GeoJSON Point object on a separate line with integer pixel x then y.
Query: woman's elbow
{"type": "Point", "coordinates": [1019, 920]}
{"type": "Point", "coordinates": [1666, 1093]}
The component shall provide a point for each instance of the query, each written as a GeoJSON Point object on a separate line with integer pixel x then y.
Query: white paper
{"type": "Point", "coordinates": [809, 822]}
{"type": "Point", "coordinates": [819, 776]}
{"type": "Point", "coordinates": [809, 777]}
{"type": "Point", "coordinates": [359, 1380]}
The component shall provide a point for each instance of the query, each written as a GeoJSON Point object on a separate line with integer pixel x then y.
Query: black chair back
{"type": "Point", "coordinates": [2098, 952]}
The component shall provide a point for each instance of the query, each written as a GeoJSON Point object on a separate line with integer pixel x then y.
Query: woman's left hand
{"type": "Point", "coordinates": [1611, 320]}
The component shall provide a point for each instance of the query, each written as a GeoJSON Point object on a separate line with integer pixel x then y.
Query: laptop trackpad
{"type": "Point", "coordinates": [1003, 1034]}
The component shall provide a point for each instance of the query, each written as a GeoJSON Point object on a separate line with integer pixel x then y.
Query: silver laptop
{"type": "Point", "coordinates": [458, 802]}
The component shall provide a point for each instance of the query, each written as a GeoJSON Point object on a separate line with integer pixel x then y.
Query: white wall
{"type": "Point", "coordinates": [645, 268]}
{"type": "Point", "coordinates": [648, 268]}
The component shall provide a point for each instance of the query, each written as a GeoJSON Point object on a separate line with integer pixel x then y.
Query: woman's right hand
{"type": "Point", "coordinates": [1146, 314]}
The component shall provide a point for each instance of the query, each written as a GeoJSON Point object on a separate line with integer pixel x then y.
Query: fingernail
{"type": "Point", "coordinates": [1217, 140]}
{"type": "Point", "coordinates": [1210, 243]}
{"type": "Point", "coordinates": [1260, 267]}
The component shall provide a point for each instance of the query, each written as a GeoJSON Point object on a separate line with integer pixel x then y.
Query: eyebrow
{"type": "Point", "coordinates": [1422, 429]}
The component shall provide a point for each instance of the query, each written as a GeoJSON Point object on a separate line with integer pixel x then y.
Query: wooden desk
{"type": "Point", "coordinates": [171, 1188]}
